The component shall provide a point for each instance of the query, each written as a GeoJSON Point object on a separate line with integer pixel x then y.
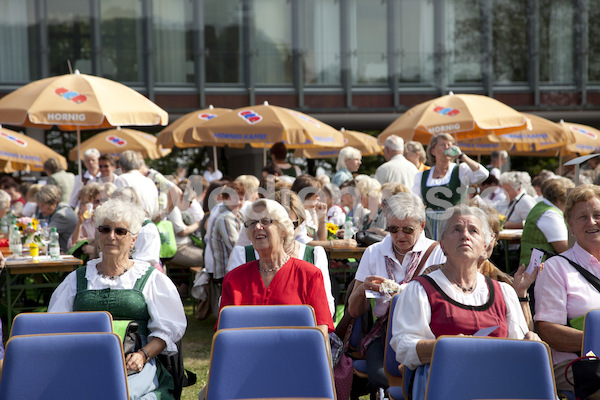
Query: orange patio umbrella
{"type": "Point", "coordinates": [264, 125]}
{"type": "Point", "coordinates": [116, 141]}
{"type": "Point", "coordinates": [78, 101]}
{"type": "Point", "coordinates": [366, 144]}
{"type": "Point", "coordinates": [19, 152]}
{"type": "Point", "coordinates": [586, 140]}
{"type": "Point", "coordinates": [179, 133]}
{"type": "Point", "coordinates": [462, 115]}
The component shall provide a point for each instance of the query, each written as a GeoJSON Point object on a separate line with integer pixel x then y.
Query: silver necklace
{"type": "Point", "coordinates": [111, 277]}
{"type": "Point", "coordinates": [463, 288]}
{"type": "Point", "coordinates": [398, 251]}
{"type": "Point", "coordinates": [273, 269]}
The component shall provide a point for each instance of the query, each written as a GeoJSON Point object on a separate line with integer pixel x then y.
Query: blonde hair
{"type": "Point", "coordinates": [434, 141]}
{"type": "Point", "coordinates": [580, 194]}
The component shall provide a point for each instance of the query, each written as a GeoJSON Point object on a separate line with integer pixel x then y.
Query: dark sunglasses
{"type": "Point", "coordinates": [105, 230]}
{"type": "Point", "coordinates": [405, 229]}
{"type": "Point", "coordinates": [296, 223]}
{"type": "Point", "coordinates": [104, 166]}
{"type": "Point", "coordinates": [264, 222]}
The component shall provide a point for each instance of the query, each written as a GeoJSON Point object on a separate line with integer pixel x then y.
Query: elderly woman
{"type": "Point", "coordinates": [516, 185]}
{"type": "Point", "coordinates": [4, 203]}
{"type": "Point", "coordinates": [455, 299]}
{"type": "Point", "coordinates": [349, 161]}
{"type": "Point", "coordinates": [446, 183]}
{"type": "Point", "coordinates": [562, 293]}
{"type": "Point", "coordinates": [370, 198]}
{"type": "Point", "coordinates": [313, 254]}
{"type": "Point", "coordinates": [275, 278]}
{"type": "Point", "coordinates": [130, 290]}
{"type": "Point", "coordinates": [545, 224]}
{"type": "Point", "coordinates": [58, 214]}
{"type": "Point", "coordinates": [401, 256]}
{"type": "Point", "coordinates": [415, 153]}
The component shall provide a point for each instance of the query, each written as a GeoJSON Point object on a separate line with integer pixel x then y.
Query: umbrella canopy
{"type": "Point", "coordinates": [264, 125]}
{"type": "Point", "coordinates": [19, 152]}
{"type": "Point", "coordinates": [367, 145]}
{"type": "Point", "coordinates": [586, 140]}
{"type": "Point", "coordinates": [541, 135]}
{"type": "Point", "coordinates": [462, 115]}
{"type": "Point", "coordinates": [179, 133]}
{"type": "Point", "coordinates": [78, 101]}
{"type": "Point", "coordinates": [116, 141]}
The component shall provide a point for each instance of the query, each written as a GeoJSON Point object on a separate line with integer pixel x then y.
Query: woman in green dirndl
{"type": "Point", "coordinates": [130, 290]}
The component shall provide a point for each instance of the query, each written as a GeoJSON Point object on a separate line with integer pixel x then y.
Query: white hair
{"type": "Point", "coordinates": [394, 143]}
{"type": "Point", "coordinates": [4, 200]}
{"type": "Point", "coordinates": [463, 209]}
{"type": "Point", "coordinates": [275, 211]}
{"type": "Point", "coordinates": [405, 205]}
{"type": "Point", "coordinates": [346, 153]}
{"type": "Point", "coordinates": [94, 153]}
{"type": "Point", "coordinates": [120, 210]}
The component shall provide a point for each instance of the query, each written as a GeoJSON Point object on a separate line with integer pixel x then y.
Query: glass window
{"type": "Point", "coordinates": [509, 32]}
{"type": "Point", "coordinates": [271, 38]}
{"type": "Point", "coordinates": [69, 36]}
{"type": "Point", "coordinates": [173, 41]}
{"type": "Point", "coordinates": [414, 38]}
{"type": "Point", "coordinates": [463, 41]}
{"type": "Point", "coordinates": [593, 37]}
{"type": "Point", "coordinates": [368, 41]}
{"type": "Point", "coordinates": [556, 41]}
{"type": "Point", "coordinates": [122, 40]}
{"type": "Point", "coordinates": [18, 38]}
{"type": "Point", "coordinates": [223, 41]}
{"type": "Point", "coordinates": [320, 25]}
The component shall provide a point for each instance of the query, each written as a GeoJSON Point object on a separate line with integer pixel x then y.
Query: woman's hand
{"type": "Point", "coordinates": [321, 209]}
{"type": "Point", "coordinates": [344, 243]}
{"type": "Point", "coordinates": [372, 282]}
{"type": "Point", "coordinates": [135, 361]}
{"type": "Point", "coordinates": [522, 280]}
{"type": "Point", "coordinates": [532, 336]}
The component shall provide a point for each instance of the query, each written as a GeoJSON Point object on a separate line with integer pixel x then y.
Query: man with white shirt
{"type": "Point", "coordinates": [497, 160]}
{"type": "Point", "coordinates": [92, 174]}
{"type": "Point", "coordinates": [397, 168]}
{"type": "Point", "coordinates": [144, 187]}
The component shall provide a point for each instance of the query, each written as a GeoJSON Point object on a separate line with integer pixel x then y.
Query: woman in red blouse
{"type": "Point", "coordinates": [276, 278]}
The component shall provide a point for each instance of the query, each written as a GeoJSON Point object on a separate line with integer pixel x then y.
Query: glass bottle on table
{"type": "Point", "coordinates": [16, 245]}
{"type": "Point", "coordinates": [348, 229]}
{"type": "Point", "coordinates": [54, 246]}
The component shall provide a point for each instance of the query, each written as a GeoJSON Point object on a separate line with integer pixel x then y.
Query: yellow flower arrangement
{"type": "Point", "coordinates": [332, 230]}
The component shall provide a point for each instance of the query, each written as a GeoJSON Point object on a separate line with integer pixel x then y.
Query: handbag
{"type": "Point", "coordinates": [168, 245]}
{"type": "Point", "coordinates": [366, 238]}
{"type": "Point", "coordinates": [130, 337]}
{"type": "Point", "coordinates": [343, 372]}
{"type": "Point", "coordinates": [586, 377]}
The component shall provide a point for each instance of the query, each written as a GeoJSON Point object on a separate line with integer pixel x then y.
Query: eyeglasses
{"type": "Point", "coordinates": [409, 230]}
{"type": "Point", "coordinates": [264, 222]}
{"type": "Point", "coordinates": [296, 223]}
{"type": "Point", "coordinates": [105, 230]}
{"type": "Point", "coordinates": [104, 166]}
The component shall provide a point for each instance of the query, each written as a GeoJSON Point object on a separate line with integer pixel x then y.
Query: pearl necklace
{"type": "Point", "coordinates": [111, 277]}
{"type": "Point", "coordinates": [398, 251]}
{"type": "Point", "coordinates": [273, 269]}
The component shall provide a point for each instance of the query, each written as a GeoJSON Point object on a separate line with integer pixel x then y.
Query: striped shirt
{"type": "Point", "coordinates": [225, 233]}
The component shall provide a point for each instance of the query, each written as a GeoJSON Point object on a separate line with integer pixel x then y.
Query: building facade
{"type": "Point", "coordinates": [352, 63]}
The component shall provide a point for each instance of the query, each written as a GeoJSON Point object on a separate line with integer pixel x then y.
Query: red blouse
{"type": "Point", "coordinates": [297, 282]}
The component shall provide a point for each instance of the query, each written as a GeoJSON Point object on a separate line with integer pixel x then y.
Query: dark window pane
{"type": "Point", "coordinates": [463, 41]}
{"type": "Point", "coordinates": [593, 38]}
{"type": "Point", "coordinates": [69, 36]}
{"type": "Point", "coordinates": [509, 30]}
{"type": "Point", "coordinates": [18, 38]}
{"type": "Point", "coordinates": [415, 51]}
{"type": "Point", "coordinates": [223, 41]}
{"type": "Point", "coordinates": [368, 41]}
{"type": "Point", "coordinates": [556, 38]}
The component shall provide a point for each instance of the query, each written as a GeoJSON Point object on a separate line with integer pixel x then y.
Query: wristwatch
{"type": "Point", "coordinates": [524, 299]}
{"type": "Point", "coordinates": [460, 157]}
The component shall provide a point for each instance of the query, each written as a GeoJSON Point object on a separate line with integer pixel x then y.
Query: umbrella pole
{"type": "Point", "coordinates": [216, 166]}
{"type": "Point", "coordinates": [560, 162]}
{"type": "Point", "coordinates": [79, 154]}
{"type": "Point", "coordinates": [264, 154]}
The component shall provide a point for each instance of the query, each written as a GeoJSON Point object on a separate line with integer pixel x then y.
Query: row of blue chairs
{"type": "Point", "coordinates": [64, 355]}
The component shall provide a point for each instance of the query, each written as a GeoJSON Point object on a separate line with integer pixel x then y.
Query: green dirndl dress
{"type": "Point", "coordinates": [154, 381]}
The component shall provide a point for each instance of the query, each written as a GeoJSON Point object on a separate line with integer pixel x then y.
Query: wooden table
{"type": "Point", "coordinates": [24, 273]}
{"type": "Point", "coordinates": [508, 236]}
{"type": "Point", "coordinates": [345, 253]}
{"type": "Point", "coordinates": [341, 277]}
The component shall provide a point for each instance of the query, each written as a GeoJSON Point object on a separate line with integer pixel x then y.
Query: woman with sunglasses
{"type": "Point", "coordinates": [275, 277]}
{"type": "Point", "coordinates": [129, 289]}
{"type": "Point", "coordinates": [400, 256]}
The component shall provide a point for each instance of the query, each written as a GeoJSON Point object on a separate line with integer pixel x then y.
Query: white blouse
{"type": "Point", "coordinates": [167, 317]}
{"type": "Point", "coordinates": [412, 314]}
{"type": "Point", "coordinates": [238, 257]}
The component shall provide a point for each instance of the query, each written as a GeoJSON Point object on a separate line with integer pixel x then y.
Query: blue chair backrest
{"type": "Point", "coordinates": [64, 366]}
{"type": "Point", "coordinates": [270, 363]}
{"type": "Point", "coordinates": [265, 316]}
{"type": "Point", "coordinates": [41, 323]}
{"type": "Point", "coordinates": [489, 368]}
{"type": "Point", "coordinates": [390, 364]}
{"type": "Point", "coordinates": [591, 332]}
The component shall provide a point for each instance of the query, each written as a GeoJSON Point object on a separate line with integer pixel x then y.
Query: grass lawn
{"type": "Point", "coordinates": [196, 351]}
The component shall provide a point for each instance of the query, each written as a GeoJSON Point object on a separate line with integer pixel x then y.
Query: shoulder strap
{"type": "Point", "coordinates": [250, 256]}
{"type": "Point", "coordinates": [141, 282]}
{"type": "Point", "coordinates": [424, 259]}
{"type": "Point", "coordinates": [81, 279]}
{"type": "Point", "coordinates": [309, 254]}
{"type": "Point", "coordinates": [591, 278]}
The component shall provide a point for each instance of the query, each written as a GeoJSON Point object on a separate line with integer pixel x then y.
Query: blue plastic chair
{"type": "Point", "coordinates": [591, 332]}
{"type": "Point", "coordinates": [266, 316]}
{"type": "Point", "coordinates": [490, 368]}
{"type": "Point", "coordinates": [64, 366]}
{"type": "Point", "coordinates": [270, 363]}
{"type": "Point", "coordinates": [72, 322]}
